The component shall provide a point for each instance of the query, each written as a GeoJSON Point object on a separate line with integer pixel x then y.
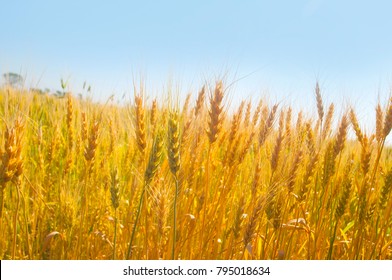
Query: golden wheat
{"type": "Point", "coordinates": [80, 182]}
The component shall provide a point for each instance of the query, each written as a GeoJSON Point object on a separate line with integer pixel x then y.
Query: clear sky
{"type": "Point", "coordinates": [284, 46]}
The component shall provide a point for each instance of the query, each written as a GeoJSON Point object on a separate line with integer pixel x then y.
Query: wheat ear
{"type": "Point", "coordinates": [319, 100]}
{"type": "Point", "coordinates": [140, 125]}
{"type": "Point", "coordinates": [173, 145]}
{"type": "Point", "coordinates": [379, 123]}
{"type": "Point", "coordinates": [356, 127]}
{"type": "Point", "coordinates": [200, 101]}
{"type": "Point", "coordinates": [388, 120]}
{"type": "Point", "coordinates": [91, 147]}
{"type": "Point", "coordinates": [215, 113]}
{"type": "Point", "coordinates": [11, 158]}
{"type": "Point", "coordinates": [251, 227]}
{"type": "Point", "coordinates": [328, 121]}
{"type": "Point", "coordinates": [256, 114]}
{"type": "Point", "coordinates": [69, 122]}
{"type": "Point", "coordinates": [247, 113]}
{"type": "Point", "coordinates": [266, 127]}
{"type": "Point", "coordinates": [341, 136]}
{"type": "Point", "coordinates": [154, 159]}
{"type": "Point", "coordinates": [385, 191]}
{"type": "Point", "coordinates": [153, 115]}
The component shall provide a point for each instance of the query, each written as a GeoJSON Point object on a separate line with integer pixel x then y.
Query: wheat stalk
{"type": "Point", "coordinates": [11, 169]}
{"type": "Point", "coordinates": [173, 143]}
{"type": "Point", "coordinates": [173, 151]}
{"type": "Point", "coordinates": [342, 203]}
{"type": "Point", "coordinates": [152, 166]}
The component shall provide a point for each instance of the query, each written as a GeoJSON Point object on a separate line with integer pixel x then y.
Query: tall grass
{"type": "Point", "coordinates": [81, 180]}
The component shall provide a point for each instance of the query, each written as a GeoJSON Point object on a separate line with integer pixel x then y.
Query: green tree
{"type": "Point", "coordinates": [13, 79]}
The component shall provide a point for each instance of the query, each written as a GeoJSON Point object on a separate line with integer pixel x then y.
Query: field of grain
{"type": "Point", "coordinates": [153, 179]}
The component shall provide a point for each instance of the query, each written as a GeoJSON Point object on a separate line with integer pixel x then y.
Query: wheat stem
{"type": "Point", "coordinates": [115, 235]}
{"type": "Point", "coordinates": [175, 218]}
{"type": "Point", "coordinates": [15, 221]}
{"type": "Point", "coordinates": [129, 252]}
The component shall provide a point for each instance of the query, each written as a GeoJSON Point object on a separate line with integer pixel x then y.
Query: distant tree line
{"type": "Point", "coordinates": [13, 79]}
{"type": "Point", "coordinates": [17, 81]}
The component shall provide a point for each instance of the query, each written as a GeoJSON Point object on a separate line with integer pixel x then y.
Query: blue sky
{"type": "Point", "coordinates": [284, 46]}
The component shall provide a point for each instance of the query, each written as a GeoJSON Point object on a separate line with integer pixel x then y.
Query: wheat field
{"type": "Point", "coordinates": [153, 180]}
